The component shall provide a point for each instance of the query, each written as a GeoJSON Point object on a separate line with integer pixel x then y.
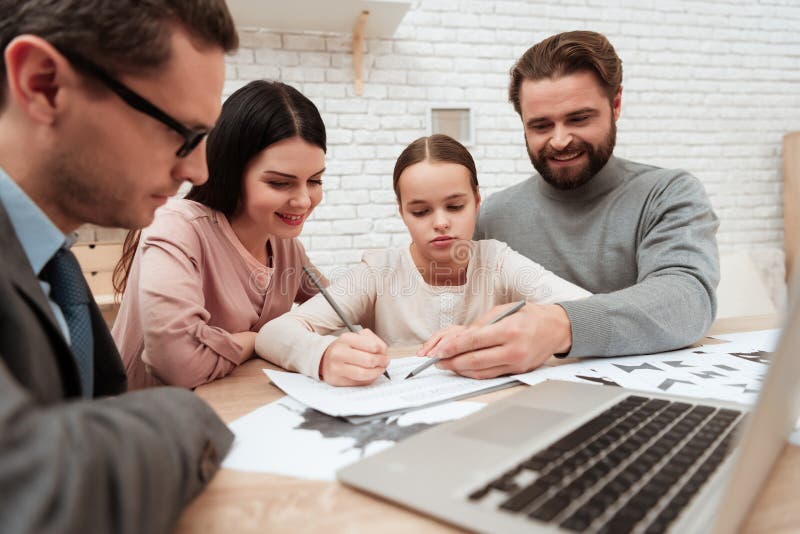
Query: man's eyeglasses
{"type": "Point", "coordinates": [191, 137]}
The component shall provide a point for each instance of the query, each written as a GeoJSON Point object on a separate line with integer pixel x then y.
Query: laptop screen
{"type": "Point", "coordinates": [771, 422]}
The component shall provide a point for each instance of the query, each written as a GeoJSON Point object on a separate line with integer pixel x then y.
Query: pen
{"type": "Point", "coordinates": [335, 306]}
{"type": "Point", "coordinates": [513, 309]}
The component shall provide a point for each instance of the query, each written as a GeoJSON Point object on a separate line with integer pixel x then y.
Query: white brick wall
{"type": "Point", "coordinates": [709, 86]}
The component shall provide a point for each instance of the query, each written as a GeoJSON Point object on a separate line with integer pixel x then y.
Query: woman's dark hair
{"type": "Point", "coordinates": [254, 117]}
{"type": "Point", "coordinates": [436, 148]}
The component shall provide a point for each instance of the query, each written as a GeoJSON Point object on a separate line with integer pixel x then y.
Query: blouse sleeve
{"type": "Point", "coordinates": [297, 339]}
{"type": "Point", "coordinates": [181, 348]}
{"type": "Point", "coordinates": [525, 279]}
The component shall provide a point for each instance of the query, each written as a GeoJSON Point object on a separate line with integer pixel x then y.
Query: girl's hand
{"type": "Point", "coordinates": [355, 359]}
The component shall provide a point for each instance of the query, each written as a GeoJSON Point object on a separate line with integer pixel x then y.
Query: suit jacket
{"type": "Point", "coordinates": [121, 464]}
{"type": "Point", "coordinates": [29, 327]}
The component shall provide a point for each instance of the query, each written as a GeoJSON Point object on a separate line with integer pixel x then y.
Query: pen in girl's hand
{"type": "Point", "coordinates": [335, 306]}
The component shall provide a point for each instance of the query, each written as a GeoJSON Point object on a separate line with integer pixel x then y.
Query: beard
{"type": "Point", "coordinates": [573, 178]}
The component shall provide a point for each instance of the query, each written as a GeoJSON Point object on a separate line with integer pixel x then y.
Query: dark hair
{"type": "Point", "coordinates": [122, 36]}
{"type": "Point", "coordinates": [254, 117]}
{"type": "Point", "coordinates": [568, 53]}
{"type": "Point", "coordinates": [437, 147]}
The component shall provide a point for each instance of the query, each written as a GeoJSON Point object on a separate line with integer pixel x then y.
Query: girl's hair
{"type": "Point", "coordinates": [435, 148]}
{"type": "Point", "coordinates": [254, 117]}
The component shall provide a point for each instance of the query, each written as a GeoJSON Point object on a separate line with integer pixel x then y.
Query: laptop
{"type": "Point", "coordinates": [570, 457]}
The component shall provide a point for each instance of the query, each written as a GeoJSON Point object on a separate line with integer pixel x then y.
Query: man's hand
{"type": "Point", "coordinates": [519, 343]}
{"type": "Point", "coordinates": [354, 359]}
{"type": "Point", "coordinates": [430, 346]}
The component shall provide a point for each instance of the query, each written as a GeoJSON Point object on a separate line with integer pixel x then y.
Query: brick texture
{"type": "Point", "coordinates": [709, 86]}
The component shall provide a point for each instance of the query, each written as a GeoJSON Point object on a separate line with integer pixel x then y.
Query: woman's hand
{"type": "Point", "coordinates": [247, 340]}
{"type": "Point", "coordinates": [354, 359]}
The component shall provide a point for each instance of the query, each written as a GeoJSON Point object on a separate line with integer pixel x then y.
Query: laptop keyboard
{"type": "Point", "coordinates": [633, 468]}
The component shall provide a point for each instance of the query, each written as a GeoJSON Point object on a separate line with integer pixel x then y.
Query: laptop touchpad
{"type": "Point", "coordinates": [513, 425]}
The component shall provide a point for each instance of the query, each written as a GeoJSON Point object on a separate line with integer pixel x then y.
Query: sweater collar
{"type": "Point", "coordinates": [609, 177]}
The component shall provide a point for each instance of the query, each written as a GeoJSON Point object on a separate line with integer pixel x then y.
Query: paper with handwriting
{"type": "Point", "coordinates": [431, 386]}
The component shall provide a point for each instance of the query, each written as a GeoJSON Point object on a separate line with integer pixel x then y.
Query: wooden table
{"type": "Point", "coordinates": [238, 502]}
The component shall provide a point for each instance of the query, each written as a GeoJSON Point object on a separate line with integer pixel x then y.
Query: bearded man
{"type": "Point", "coordinates": [641, 238]}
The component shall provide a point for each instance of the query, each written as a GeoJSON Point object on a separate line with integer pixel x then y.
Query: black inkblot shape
{"type": "Point", "coordinates": [743, 387]}
{"type": "Point", "coordinates": [759, 356]}
{"type": "Point", "coordinates": [709, 374]}
{"type": "Point", "coordinates": [678, 364]}
{"type": "Point", "coordinates": [363, 434]}
{"type": "Point", "coordinates": [632, 368]}
{"type": "Point", "coordinates": [600, 380]}
{"type": "Point", "coordinates": [669, 382]}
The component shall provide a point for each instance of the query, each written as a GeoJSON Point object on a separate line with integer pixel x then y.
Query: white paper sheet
{"type": "Point", "coordinates": [288, 438]}
{"type": "Point", "coordinates": [711, 371]}
{"type": "Point", "coordinates": [766, 340]}
{"type": "Point", "coordinates": [432, 385]}
{"type": "Point", "coordinates": [577, 371]}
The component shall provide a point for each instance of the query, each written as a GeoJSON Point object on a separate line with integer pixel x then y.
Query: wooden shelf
{"type": "Point", "coordinates": [326, 16]}
{"type": "Point", "coordinates": [362, 18]}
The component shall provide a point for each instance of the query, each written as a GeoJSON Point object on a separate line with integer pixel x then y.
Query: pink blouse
{"type": "Point", "coordinates": [191, 286]}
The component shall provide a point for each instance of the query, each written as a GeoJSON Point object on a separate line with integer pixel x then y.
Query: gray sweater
{"type": "Point", "coordinates": [640, 237]}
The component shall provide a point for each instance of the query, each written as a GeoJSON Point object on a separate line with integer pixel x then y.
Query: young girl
{"type": "Point", "coordinates": [217, 265]}
{"type": "Point", "coordinates": [404, 295]}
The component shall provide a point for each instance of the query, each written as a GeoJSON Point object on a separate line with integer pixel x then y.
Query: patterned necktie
{"type": "Point", "coordinates": [69, 290]}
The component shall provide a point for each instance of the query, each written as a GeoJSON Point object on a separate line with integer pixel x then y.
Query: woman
{"type": "Point", "coordinates": [217, 265]}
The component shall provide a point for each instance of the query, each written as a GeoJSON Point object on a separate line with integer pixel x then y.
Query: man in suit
{"type": "Point", "coordinates": [103, 109]}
